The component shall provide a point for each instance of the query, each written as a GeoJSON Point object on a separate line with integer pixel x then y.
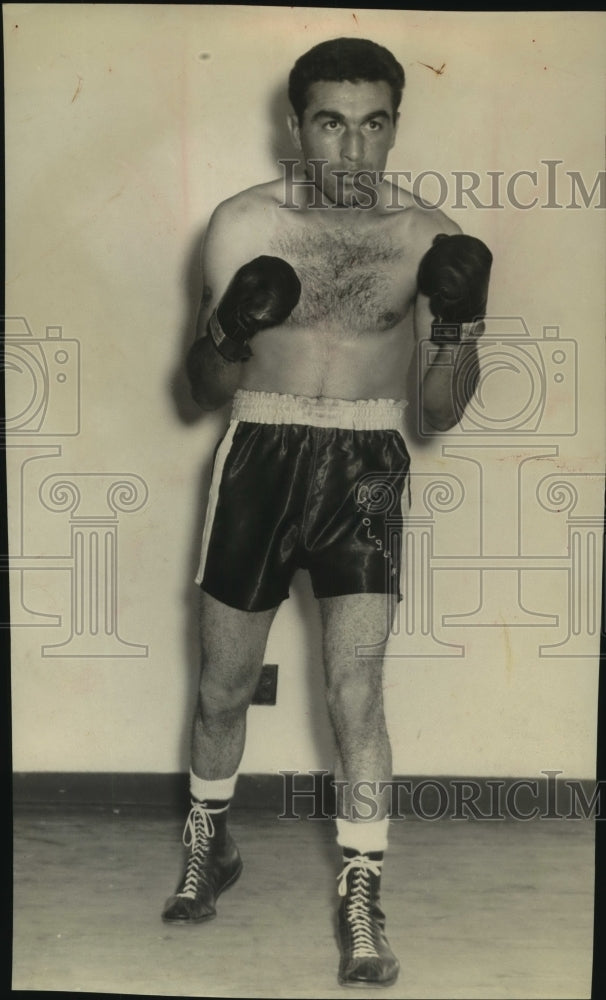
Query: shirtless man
{"type": "Point", "coordinates": [310, 318]}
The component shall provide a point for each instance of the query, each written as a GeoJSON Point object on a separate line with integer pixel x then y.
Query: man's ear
{"type": "Point", "coordinates": [295, 130]}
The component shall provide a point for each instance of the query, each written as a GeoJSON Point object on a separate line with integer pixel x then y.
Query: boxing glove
{"type": "Point", "coordinates": [261, 294]}
{"type": "Point", "coordinates": [454, 274]}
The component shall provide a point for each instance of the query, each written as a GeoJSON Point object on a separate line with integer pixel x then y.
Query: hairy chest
{"type": "Point", "coordinates": [351, 282]}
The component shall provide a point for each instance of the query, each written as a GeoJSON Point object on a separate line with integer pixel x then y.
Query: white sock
{"type": "Point", "coordinates": [363, 837]}
{"type": "Point", "coordinates": [212, 789]}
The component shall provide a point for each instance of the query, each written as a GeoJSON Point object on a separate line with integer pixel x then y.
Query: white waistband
{"type": "Point", "coordinates": [318, 411]}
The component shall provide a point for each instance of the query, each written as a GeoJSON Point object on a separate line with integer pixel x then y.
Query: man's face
{"type": "Point", "coordinates": [351, 126]}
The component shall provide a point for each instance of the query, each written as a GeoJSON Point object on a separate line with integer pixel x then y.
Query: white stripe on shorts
{"type": "Point", "coordinates": [213, 496]}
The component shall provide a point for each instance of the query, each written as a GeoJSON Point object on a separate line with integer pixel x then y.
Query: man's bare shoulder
{"type": "Point", "coordinates": [421, 217]}
{"type": "Point", "coordinates": [417, 223]}
{"type": "Point", "coordinates": [252, 201]}
{"type": "Point", "coordinates": [238, 227]}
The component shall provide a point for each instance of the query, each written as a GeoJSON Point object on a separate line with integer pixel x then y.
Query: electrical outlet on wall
{"type": "Point", "coordinates": [265, 693]}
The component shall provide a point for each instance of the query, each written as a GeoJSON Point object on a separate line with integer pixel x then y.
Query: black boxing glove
{"type": "Point", "coordinates": [454, 274]}
{"type": "Point", "coordinates": [261, 294]}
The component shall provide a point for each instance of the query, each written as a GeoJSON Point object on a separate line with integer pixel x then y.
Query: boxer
{"type": "Point", "coordinates": [309, 322]}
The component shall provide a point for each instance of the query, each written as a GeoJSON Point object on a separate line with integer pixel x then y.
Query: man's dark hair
{"type": "Point", "coordinates": [339, 59]}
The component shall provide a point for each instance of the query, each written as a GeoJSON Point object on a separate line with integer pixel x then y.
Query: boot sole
{"type": "Point", "coordinates": [352, 984]}
{"type": "Point", "coordinates": [361, 984]}
{"type": "Point", "coordinates": [185, 921]}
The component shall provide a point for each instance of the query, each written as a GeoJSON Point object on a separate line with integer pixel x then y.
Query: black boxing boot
{"type": "Point", "coordinates": [366, 958]}
{"type": "Point", "coordinates": [214, 864]}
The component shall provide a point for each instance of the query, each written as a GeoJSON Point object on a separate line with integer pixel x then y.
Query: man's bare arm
{"type": "Point", "coordinates": [452, 292]}
{"type": "Point", "coordinates": [261, 292]}
{"type": "Point", "coordinates": [445, 389]}
{"type": "Point", "coordinates": [213, 380]}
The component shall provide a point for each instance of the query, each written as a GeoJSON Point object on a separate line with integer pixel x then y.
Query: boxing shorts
{"type": "Point", "coordinates": [314, 483]}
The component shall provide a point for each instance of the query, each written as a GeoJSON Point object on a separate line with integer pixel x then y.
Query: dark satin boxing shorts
{"type": "Point", "coordinates": [320, 484]}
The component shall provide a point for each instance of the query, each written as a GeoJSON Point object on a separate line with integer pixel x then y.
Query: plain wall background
{"type": "Point", "coordinates": [125, 126]}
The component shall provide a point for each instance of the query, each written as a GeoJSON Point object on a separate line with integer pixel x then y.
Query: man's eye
{"type": "Point", "coordinates": [330, 126]}
{"type": "Point", "coordinates": [374, 126]}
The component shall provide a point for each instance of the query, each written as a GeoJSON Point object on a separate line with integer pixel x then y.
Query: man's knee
{"type": "Point", "coordinates": [224, 694]}
{"type": "Point", "coordinates": [232, 646]}
{"type": "Point", "coordinates": [355, 696]}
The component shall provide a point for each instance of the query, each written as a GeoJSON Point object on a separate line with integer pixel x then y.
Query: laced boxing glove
{"type": "Point", "coordinates": [261, 294]}
{"type": "Point", "coordinates": [454, 274]}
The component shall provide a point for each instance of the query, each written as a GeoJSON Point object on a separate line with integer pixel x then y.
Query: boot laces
{"type": "Point", "coordinates": [198, 832]}
{"type": "Point", "coordinates": [358, 904]}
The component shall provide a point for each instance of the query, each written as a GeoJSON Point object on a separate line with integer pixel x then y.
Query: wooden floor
{"type": "Point", "coordinates": [474, 909]}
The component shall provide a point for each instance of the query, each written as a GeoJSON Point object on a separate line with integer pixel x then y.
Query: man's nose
{"type": "Point", "coordinates": [352, 150]}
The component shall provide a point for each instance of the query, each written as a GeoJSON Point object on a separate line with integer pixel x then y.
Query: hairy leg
{"type": "Point", "coordinates": [354, 688]}
{"type": "Point", "coordinates": [232, 649]}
